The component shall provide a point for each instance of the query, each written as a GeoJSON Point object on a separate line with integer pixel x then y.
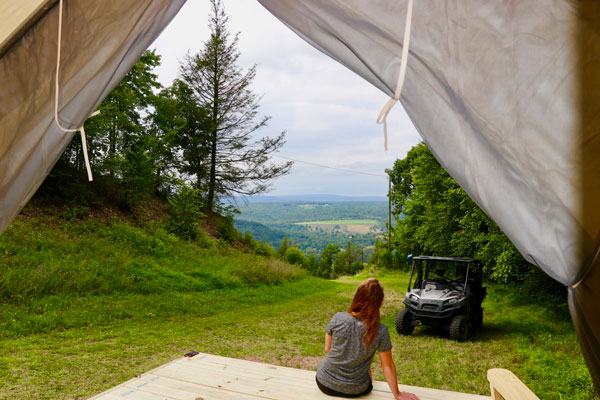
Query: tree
{"type": "Point", "coordinates": [328, 256]}
{"type": "Point", "coordinates": [435, 216]}
{"type": "Point", "coordinates": [283, 247]}
{"type": "Point", "coordinates": [312, 264]}
{"type": "Point", "coordinates": [347, 261]}
{"type": "Point", "coordinates": [237, 163]}
{"type": "Point", "coordinates": [125, 152]}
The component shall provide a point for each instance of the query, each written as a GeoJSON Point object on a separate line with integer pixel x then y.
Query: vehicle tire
{"type": "Point", "coordinates": [459, 328]}
{"type": "Point", "coordinates": [404, 325]}
{"type": "Point", "coordinates": [478, 318]}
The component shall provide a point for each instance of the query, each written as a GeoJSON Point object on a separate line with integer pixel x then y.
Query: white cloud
{"type": "Point", "coordinates": [328, 112]}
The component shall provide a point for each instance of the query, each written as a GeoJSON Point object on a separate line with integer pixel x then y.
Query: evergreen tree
{"type": "Point", "coordinates": [347, 261]}
{"type": "Point", "coordinates": [283, 247]}
{"type": "Point", "coordinates": [237, 163]}
{"type": "Point", "coordinates": [327, 259]}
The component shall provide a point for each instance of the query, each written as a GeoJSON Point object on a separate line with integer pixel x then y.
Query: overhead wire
{"type": "Point", "coordinates": [329, 167]}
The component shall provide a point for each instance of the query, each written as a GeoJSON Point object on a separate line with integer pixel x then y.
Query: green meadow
{"type": "Point", "coordinates": [88, 304]}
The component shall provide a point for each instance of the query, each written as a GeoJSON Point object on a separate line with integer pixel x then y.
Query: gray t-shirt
{"type": "Point", "coordinates": [346, 366]}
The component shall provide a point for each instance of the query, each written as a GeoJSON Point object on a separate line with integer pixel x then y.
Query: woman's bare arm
{"type": "Point", "coordinates": [389, 370]}
{"type": "Point", "coordinates": [327, 342]}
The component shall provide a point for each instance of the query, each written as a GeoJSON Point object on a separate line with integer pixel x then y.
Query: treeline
{"type": "Point", "coordinates": [200, 138]}
{"type": "Point", "coordinates": [439, 218]}
{"type": "Point", "coordinates": [276, 213]}
{"type": "Point", "coordinates": [332, 262]}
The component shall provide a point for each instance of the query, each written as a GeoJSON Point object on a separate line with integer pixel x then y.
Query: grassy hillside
{"type": "Point", "coordinates": [59, 274]}
{"type": "Point", "coordinates": [89, 303]}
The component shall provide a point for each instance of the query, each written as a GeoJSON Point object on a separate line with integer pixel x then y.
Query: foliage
{"type": "Point", "coordinates": [226, 229]}
{"type": "Point", "coordinates": [124, 152]}
{"type": "Point", "coordinates": [294, 255]}
{"type": "Point", "coordinates": [264, 249]}
{"type": "Point", "coordinates": [185, 205]}
{"type": "Point", "coordinates": [439, 218]}
{"type": "Point", "coordinates": [312, 264]}
{"type": "Point", "coordinates": [248, 241]}
{"type": "Point", "coordinates": [327, 260]}
{"type": "Point", "coordinates": [347, 261]}
{"type": "Point", "coordinates": [227, 157]}
{"type": "Point", "coordinates": [389, 260]}
{"type": "Point", "coordinates": [283, 247]}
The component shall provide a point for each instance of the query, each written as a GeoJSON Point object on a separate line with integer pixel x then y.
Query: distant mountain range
{"type": "Point", "coordinates": [311, 198]}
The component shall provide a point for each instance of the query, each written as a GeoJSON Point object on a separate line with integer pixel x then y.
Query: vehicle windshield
{"type": "Point", "coordinates": [444, 274]}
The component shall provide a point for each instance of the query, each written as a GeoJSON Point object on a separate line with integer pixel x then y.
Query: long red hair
{"type": "Point", "coordinates": [365, 306]}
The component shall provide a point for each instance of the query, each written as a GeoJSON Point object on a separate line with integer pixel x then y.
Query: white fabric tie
{"type": "Point", "coordinates": [382, 118]}
{"type": "Point", "coordinates": [56, 95]}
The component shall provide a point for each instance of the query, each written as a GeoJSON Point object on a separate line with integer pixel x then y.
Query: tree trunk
{"type": "Point", "coordinates": [213, 147]}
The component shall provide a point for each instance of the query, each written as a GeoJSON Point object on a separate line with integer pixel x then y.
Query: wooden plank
{"type": "Point", "coordinates": [272, 388]}
{"type": "Point", "coordinates": [436, 394]}
{"type": "Point", "coordinates": [505, 384]}
{"type": "Point", "coordinates": [210, 377]}
{"type": "Point", "coordinates": [158, 384]}
{"type": "Point", "coordinates": [234, 365]}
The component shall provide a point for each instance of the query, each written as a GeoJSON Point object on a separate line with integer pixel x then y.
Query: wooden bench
{"type": "Point", "coordinates": [505, 385]}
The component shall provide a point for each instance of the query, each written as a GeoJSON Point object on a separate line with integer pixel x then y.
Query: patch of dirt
{"type": "Point", "coordinates": [292, 361]}
{"type": "Point", "coordinates": [303, 362]}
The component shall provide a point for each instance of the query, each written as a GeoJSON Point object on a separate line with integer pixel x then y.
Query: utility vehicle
{"type": "Point", "coordinates": [446, 292]}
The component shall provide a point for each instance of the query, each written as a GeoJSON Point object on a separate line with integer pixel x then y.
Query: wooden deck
{"type": "Point", "coordinates": [209, 377]}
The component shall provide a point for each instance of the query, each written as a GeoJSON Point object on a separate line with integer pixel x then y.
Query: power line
{"type": "Point", "coordinates": [328, 167]}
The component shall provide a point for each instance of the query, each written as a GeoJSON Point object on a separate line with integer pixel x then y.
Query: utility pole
{"type": "Point", "coordinates": [387, 171]}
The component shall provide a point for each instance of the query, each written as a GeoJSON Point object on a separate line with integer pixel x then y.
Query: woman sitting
{"type": "Point", "coordinates": [351, 340]}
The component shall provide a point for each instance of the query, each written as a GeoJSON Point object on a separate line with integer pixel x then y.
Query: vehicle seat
{"type": "Point", "coordinates": [433, 284]}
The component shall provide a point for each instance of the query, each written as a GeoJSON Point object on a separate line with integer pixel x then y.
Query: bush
{"type": "Point", "coordinates": [248, 240]}
{"type": "Point", "coordinates": [226, 230]}
{"type": "Point", "coordinates": [294, 255]}
{"type": "Point", "coordinates": [185, 206]}
{"type": "Point", "coordinates": [203, 240]}
{"type": "Point", "coordinates": [264, 249]}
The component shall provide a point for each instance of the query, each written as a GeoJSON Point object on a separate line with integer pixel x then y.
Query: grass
{"type": "Point", "coordinates": [342, 222]}
{"type": "Point", "coordinates": [87, 305]}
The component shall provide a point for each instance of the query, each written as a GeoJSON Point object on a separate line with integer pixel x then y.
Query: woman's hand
{"type": "Point", "coordinates": [405, 396]}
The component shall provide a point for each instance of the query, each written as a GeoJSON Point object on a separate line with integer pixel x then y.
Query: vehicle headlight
{"type": "Point", "coordinates": [452, 300]}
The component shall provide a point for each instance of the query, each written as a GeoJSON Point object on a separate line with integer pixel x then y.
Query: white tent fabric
{"type": "Point", "coordinates": [505, 94]}
{"type": "Point", "coordinates": [101, 40]}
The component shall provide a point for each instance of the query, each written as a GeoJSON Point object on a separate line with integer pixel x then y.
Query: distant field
{"type": "Point", "coordinates": [351, 226]}
{"type": "Point", "coordinates": [311, 206]}
{"type": "Point", "coordinates": [342, 222]}
{"type": "Point", "coordinates": [311, 226]}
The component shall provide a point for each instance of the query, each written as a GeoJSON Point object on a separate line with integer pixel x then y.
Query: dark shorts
{"type": "Point", "coordinates": [331, 392]}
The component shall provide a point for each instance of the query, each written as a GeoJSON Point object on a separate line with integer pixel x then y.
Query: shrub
{"type": "Point", "coordinates": [248, 240]}
{"type": "Point", "coordinates": [294, 255]}
{"type": "Point", "coordinates": [203, 240]}
{"type": "Point", "coordinates": [185, 205]}
{"type": "Point", "coordinates": [264, 249]}
{"type": "Point", "coordinates": [226, 229]}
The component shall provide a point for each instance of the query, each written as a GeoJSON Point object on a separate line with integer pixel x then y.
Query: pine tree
{"type": "Point", "coordinates": [236, 162]}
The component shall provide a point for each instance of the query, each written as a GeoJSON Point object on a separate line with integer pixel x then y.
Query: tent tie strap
{"type": "Point", "coordinates": [56, 96]}
{"type": "Point", "coordinates": [382, 118]}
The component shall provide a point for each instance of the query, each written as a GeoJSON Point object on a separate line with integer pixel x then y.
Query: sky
{"type": "Point", "coordinates": [327, 111]}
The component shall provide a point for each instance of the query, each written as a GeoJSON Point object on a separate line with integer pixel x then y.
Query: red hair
{"type": "Point", "coordinates": [365, 306]}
